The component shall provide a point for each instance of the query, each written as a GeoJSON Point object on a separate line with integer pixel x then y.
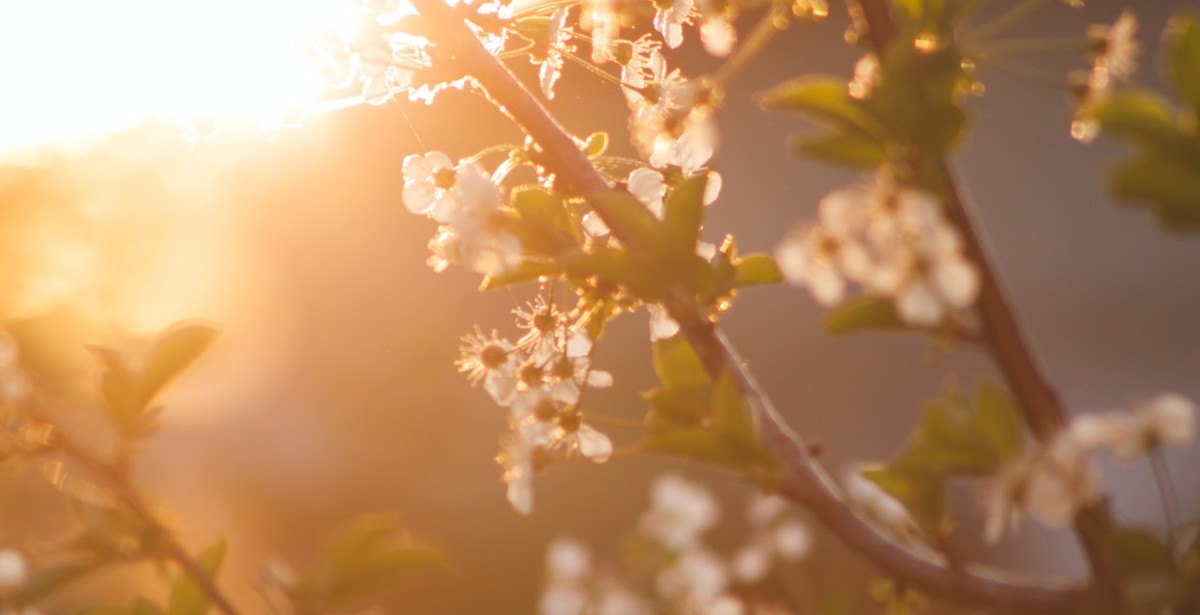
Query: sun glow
{"type": "Point", "coordinates": [75, 69]}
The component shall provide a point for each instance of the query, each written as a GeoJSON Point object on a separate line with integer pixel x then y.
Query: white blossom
{"type": "Point", "coordinates": [1117, 52]}
{"type": "Point", "coordinates": [489, 360]}
{"type": "Point", "coordinates": [773, 536]}
{"type": "Point", "coordinates": [669, 19]}
{"type": "Point", "coordinates": [519, 453]}
{"type": "Point", "coordinates": [557, 35]}
{"type": "Point", "coordinates": [680, 512]}
{"type": "Point", "coordinates": [14, 571]}
{"type": "Point", "coordinates": [696, 579]}
{"type": "Point", "coordinates": [1053, 483]}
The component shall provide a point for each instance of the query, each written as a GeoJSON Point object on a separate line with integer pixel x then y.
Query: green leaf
{"type": "Point", "coordinates": [527, 271]}
{"type": "Point", "coordinates": [1171, 184]}
{"type": "Point", "coordinates": [1152, 580]}
{"type": "Point", "coordinates": [145, 607]}
{"type": "Point", "coordinates": [863, 314]}
{"type": "Point", "coordinates": [617, 266]}
{"type": "Point", "coordinates": [999, 420]}
{"type": "Point", "coordinates": [825, 99]}
{"type": "Point", "coordinates": [1138, 114]}
{"type": "Point", "coordinates": [754, 270]}
{"type": "Point", "coordinates": [368, 557]}
{"type": "Point", "coordinates": [849, 149]}
{"type": "Point", "coordinates": [919, 100]}
{"type": "Point", "coordinates": [629, 219]}
{"type": "Point", "coordinates": [48, 580]}
{"type": "Point", "coordinates": [699, 444]}
{"type": "Point", "coordinates": [923, 494]}
{"type": "Point", "coordinates": [733, 417]}
{"type": "Point", "coordinates": [679, 407]}
{"type": "Point", "coordinates": [596, 144]}
{"type": "Point", "coordinates": [187, 596]}
{"type": "Point", "coordinates": [175, 350]}
{"type": "Point", "coordinates": [683, 214]}
{"type": "Point", "coordinates": [545, 225]}
{"type": "Point", "coordinates": [118, 387]}
{"type": "Point", "coordinates": [1183, 51]}
{"type": "Point", "coordinates": [677, 365]}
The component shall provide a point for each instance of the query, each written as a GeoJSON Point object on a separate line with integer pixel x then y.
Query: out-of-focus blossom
{"type": "Point", "coordinates": [680, 512]}
{"type": "Point", "coordinates": [669, 19]}
{"type": "Point", "coordinates": [774, 535]}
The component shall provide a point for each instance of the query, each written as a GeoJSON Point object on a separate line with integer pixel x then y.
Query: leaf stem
{"type": "Point", "coordinates": [1006, 20]}
{"type": "Point", "coordinates": [763, 32]}
{"type": "Point", "coordinates": [1166, 491]}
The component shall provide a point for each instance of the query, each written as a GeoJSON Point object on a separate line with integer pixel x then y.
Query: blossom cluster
{"type": "Point", "coordinates": [1057, 480]}
{"type": "Point", "coordinates": [541, 379]}
{"type": "Point", "coordinates": [895, 242]}
{"type": "Point", "coordinates": [679, 572]}
{"type": "Point", "coordinates": [1114, 58]}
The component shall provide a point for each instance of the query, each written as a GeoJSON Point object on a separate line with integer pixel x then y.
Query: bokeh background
{"type": "Point", "coordinates": [332, 391]}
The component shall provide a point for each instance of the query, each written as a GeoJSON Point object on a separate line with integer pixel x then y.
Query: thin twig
{"type": "Point", "coordinates": [1039, 403]}
{"type": "Point", "coordinates": [763, 32]}
{"type": "Point", "coordinates": [124, 489]}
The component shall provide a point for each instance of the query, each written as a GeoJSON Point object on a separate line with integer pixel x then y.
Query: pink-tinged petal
{"type": "Point", "coordinates": [751, 564]}
{"type": "Point", "coordinates": [520, 495]}
{"type": "Point", "coordinates": [828, 287]}
{"type": "Point", "coordinates": [418, 197]}
{"type": "Point", "coordinates": [375, 90]}
{"type": "Point", "coordinates": [599, 379]}
{"type": "Point", "coordinates": [593, 444]}
{"type": "Point", "coordinates": [957, 281]}
{"type": "Point", "coordinates": [718, 37]}
{"type": "Point", "coordinates": [446, 207]}
{"type": "Point", "coordinates": [712, 188]}
{"type": "Point", "coordinates": [792, 256]}
{"type": "Point", "coordinates": [594, 226]}
{"type": "Point", "coordinates": [647, 185]}
{"type": "Point", "coordinates": [439, 161]}
{"type": "Point", "coordinates": [918, 306]}
{"type": "Point", "coordinates": [417, 167]}
{"type": "Point", "coordinates": [662, 326]}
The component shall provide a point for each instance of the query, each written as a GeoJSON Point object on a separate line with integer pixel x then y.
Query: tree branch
{"type": "Point", "coordinates": [804, 481]}
{"type": "Point", "coordinates": [1002, 335]}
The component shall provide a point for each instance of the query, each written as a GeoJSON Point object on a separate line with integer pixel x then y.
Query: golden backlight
{"type": "Point", "coordinates": [74, 69]}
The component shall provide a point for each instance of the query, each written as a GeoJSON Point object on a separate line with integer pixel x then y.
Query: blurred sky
{"type": "Point", "coordinates": [333, 390]}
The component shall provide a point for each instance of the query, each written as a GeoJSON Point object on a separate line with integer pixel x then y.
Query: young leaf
{"type": "Point", "coordinates": [733, 418]}
{"type": "Point", "coordinates": [755, 269]}
{"type": "Point", "coordinates": [174, 351]}
{"type": "Point", "coordinates": [999, 420]}
{"type": "Point", "coordinates": [824, 99]}
{"type": "Point", "coordinates": [1138, 114]}
{"type": "Point", "coordinates": [848, 149]}
{"type": "Point", "coordinates": [187, 596]}
{"type": "Point", "coordinates": [1171, 183]}
{"type": "Point", "coordinates": [923, 494]}
{"type": "Point", "coordinates": [1183, 34]}
{"type": "Point", "coordinates": [863, 314]}
{"type": "Point", "coordinates": [683, 213]}
{"type": "Point", "coordinates": [678, 366]}
{"type": "Point", "coordinates": [623, 211]}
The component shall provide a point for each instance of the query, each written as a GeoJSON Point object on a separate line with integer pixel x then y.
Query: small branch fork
{"type": "Point", "coordinates": [804, 481]}
{"type": "Point", "coordinates": [116, 477]}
